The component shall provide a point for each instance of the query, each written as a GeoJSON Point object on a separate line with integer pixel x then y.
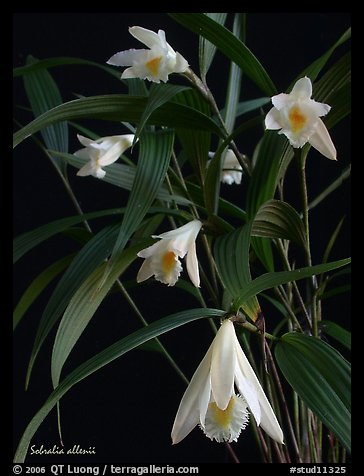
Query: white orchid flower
{"type": "Point", "coordinates": [231, 171]}
{"type": "Point", "coordinates": [154, 64]}
{"type": "Point", "coordinates": [161, 259]}
{"type": "Point", "coordinates": [210, 399]}
{"type": "Point", "coordinates": [298, 118]}
{"type": "Point", "coordinates": [101, 152]}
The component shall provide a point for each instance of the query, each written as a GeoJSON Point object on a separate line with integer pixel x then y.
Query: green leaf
{"type": "Point", "coordinates": [119, 107]}
{"type": "Point", "coordinates": [277, 219]}
{"type": "Point", "coordinates": [247, 106]}
{"type": "Point", "coordinates": [334, 88]}
{"type": "Point", "coordinates": [38, 285]}
{"type": "Point", "coordinates": [270, 280]}
{"type": "Point", "coordinates": [123, 176]}
{"type": "Point", "coordinates": [86, 261]}
{"type": "Point", "coordinates": [154, 156]}
{"type": "Point", "coordinates": [207, 50]}
{"type": "Point", "coordinates": [61, 61]}
{"type": "Point", "coordinates": [321, 377]}
{"type": "Point", "coordinates": [315, 68]}
{"type": "Point", "coordinates": [231, 253]}
{"type": "Point", "coordinates": [336, 332]}
{"type": "Point", "coordinates": [159, 94]}
{"type": "Point", "coordinates": [345, 174]}
{"type": "Point", "coordinates": [103, 358]}
{"type": "Point", "coordinates": [269, 156]}
{"type": "Point", "coordinates": [229, 45]}
{"type": "Point", "coordinates": [83, 306]}
{"type": "Point", "coordinates": [235, 75]}
{"type": "Point", "coordinates": [43, 94]}
{"type": "Point", "coordinates": [26, 241]}
{"type": "Point", "coordinates": [195, 142]}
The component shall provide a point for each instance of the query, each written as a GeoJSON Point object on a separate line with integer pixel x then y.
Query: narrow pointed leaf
{"type": "Point", "coordinates": [270, 280]}
{"type": "Point", "coordinates": [38, 285]}
{"type": "Point", "coordinates": [336, 332]}
{"type": "Point", "coordinates": [85, 262]}
{"type": "Point", "coordinates": [43, 94]}
{"type": "Point", "coordinates": [195, 142]}
{"type": "Point", "coordinates": [232, 259]}
{"type": "Point", "coordinates": [83, 306]}
{"type": "Point", "coordinates": [228, 44]}
{"type": "Point", "coordinates": [207, 50]}
{"type": "Point", "coordinates": [262, 186]}
{"type": "Point", "coordinates": [321, 377]}
{"type": "Point", "coordinates": [108, 355]}
{"type": "Point", "coordinates": [118, 108]}
{"type": "Point", "coordinates": [314, 69]}
{"type": "Point", "coordinates": [123, 176]}
{"type": "Point", "coordinates": [154, 156]}
{"type": "Point", "coordinates": [26, 241]}
{"type": "Point", "coordinates": [159, 94]}
{"type": "Point", "coordinates": [60, 61]}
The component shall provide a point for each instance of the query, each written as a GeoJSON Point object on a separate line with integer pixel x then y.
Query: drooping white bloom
{"type": "Point", "coordinates": [231, 171]}
{"type": "Point", "coordinates": [101, 152]}
{"type": "Point", "coordinates": [154, 64]}
{"type": "Point", "coordinates": [298, 118]}
{"type": "Point", "coordinates": [161, 259]}
{"type": "Point", "coordinates": [210, 399]}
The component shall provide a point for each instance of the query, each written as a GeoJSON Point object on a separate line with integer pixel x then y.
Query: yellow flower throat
{"type": "Point", "coordinates": [297, 119]}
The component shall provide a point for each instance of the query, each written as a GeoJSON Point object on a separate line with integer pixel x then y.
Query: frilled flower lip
{"type": "Point", "coordinates": [297, 116]}
{"type": "Point", "coordinates": [231, 170]}
{"type": "Point", "coordinates": [223, 367]}
{"type": "Point", "coordinates": [154, 64]}
{"type": "Point", "coordinates": [101, 153]}
{"type": "Point", "coordinates": [161, 259]}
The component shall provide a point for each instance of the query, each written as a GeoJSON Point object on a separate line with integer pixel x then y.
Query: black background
{"type": "Point", "coordinates": [127, 409]}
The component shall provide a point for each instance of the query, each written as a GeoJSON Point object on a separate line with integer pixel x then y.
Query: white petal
{"type": "Point", "coordinates": [84, 140]}
{"type": "Point", "coordinates": [87, 169]}
{"type": "Point", "coordinates": [268, 420]}
{"type": "Point", "coordinates": [322, 142]}
{"type": "Point", "coordinates": [181, 64]}
{"type": "Point", "coordinates": [223, 365]}
{"type": "Point", "coordinates": [302, 88]}
{"type": "Point", "coordinates": [192, 264]}
{"type": "Point", "coordinates": [148, 252]}
{"type": "Point", "coordinates": [246, 389]}
{"type": "Point", "coordinates": [99, 173]}
{"type": "Point", "coordinates": [148, 37]}
{"type": "Point", "coordinates": [188, 413]}
{"type": "Point", "coordinates": [111, 155]}
{"type": "Point", "coordinates": [182, 236]}
{"type": "Point", "coordinates": [128, 57]}
{"type": "Point", "coordinates": [145, 271]}
{"type": "Point", "coordinates": [281, 101]}
{"type": "Point", "coordinates": [320, 108]}
{"type": "Point", "coordinates": [204, 399]}
{"type": "Point", "coordinates": [130, 73]}
{"type": "Point", "coordinates": [82, 154]}
{"type": "Point", "coordinates": [273, 119]}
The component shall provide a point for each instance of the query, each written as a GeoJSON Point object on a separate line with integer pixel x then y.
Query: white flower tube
{"type": "Point", "coordinates": [155, 64]}
{"type": "Point", "coordinates": [210, 399]}
{"type": "Point", "coordinates": [161, 259]}
{"type": "Point", "coordinates": [298, 118]}
{"type": "Point", "coordinates": [101, 152]}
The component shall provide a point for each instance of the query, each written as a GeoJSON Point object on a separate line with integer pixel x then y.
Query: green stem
{"type": "Point", "coordinates": [145, 323]}
{"type": "Point", "coordinates": [206, 93]}
{"type": "Point", "coordinates": [301, 155]}
{"type": "Point", "coordinates": [294, 284]}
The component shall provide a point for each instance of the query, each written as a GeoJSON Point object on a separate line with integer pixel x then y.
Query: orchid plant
{"type": "Point", "coordinates": [276, 362]}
